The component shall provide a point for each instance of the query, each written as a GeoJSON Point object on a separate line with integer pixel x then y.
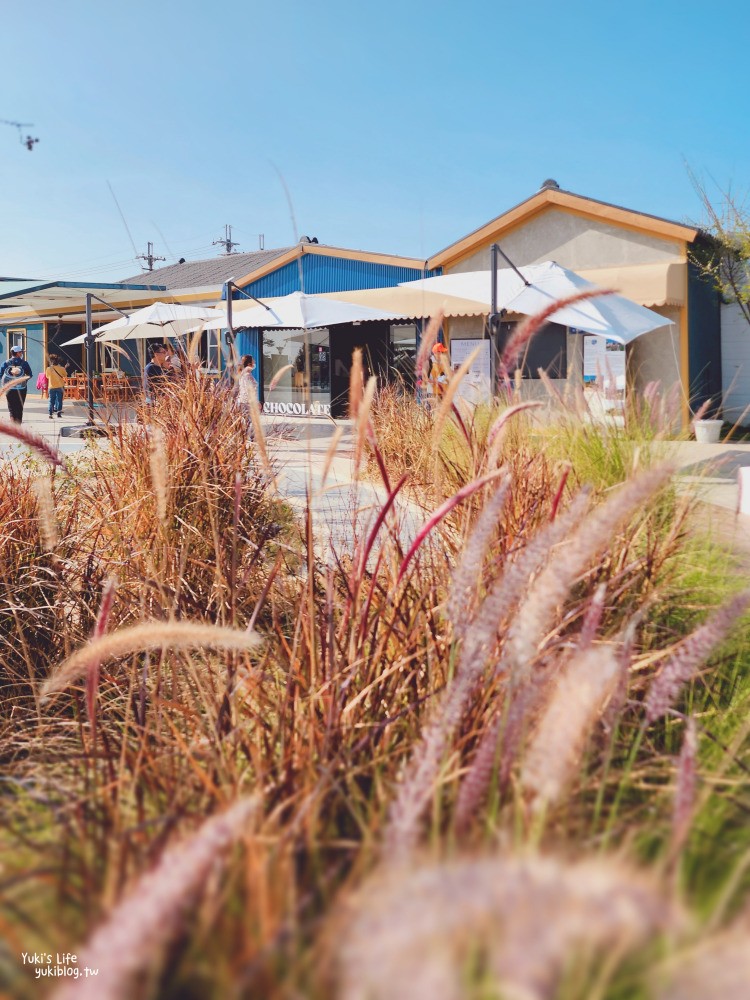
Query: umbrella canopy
{"type": "Point", "coordinates": [611, 316]}
{"type": "Point", "coordinates": [416, 303]}
{"type": "Point", "coordinates": [161, 319]}
{"type": "Point", "coordinates": [296, 311]}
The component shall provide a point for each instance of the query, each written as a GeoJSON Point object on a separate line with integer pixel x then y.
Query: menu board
{"type": "Point", "coordinates": [475, 387]}
{"type": "Point", "coordinates": [604, 359]}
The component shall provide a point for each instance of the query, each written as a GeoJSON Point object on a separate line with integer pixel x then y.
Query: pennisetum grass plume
{"type": "Point", "coordinates": [552, 585]}
{"type": "Point", "coordinates": [441, 512]}
{"type": "Point", "coordinates": [147, 635]}
{"type": "Point", "coordinates": [356, 383]}
{"type": "Point", "coordinates": [46, 508]}
{"type": "Point", "coordinates": [158, 466]}
{"type": "Point", "coordinates": [580, 692]}
{"type": "Point", "coordinates": [685, 791]}
{"type": "Point", "coordinates": [331, 454]}
{"type": "Point", "coordinates": [462, 594]}
{"type": "Point", "coordinates": [412, 932]}
{"type": "Point", "coordinates": [691, 654]}
{"type": "Point", "coordinates": [139, 927]}
{"type": "Point", "coordinates": [34, 441]}
{"type": "Point", "coordinates": [363, 429]}
{"type": "Point", "coordinates": [526, 330]}
{"type": "Point", "coordinates": [413, 793]}
{"type": "Point", "coordinates": [100, 628]}
{"type": "Point", "coordinates": [259, 438]}
{"type": "Point", "coordinates": [426, 343]}
{"type": "Point", "coordinates": [278, 376]}
{"type": "Point", "coordinates": [446, 404]}
{"type": "Point", "coordinates": [496, 433]}
{"type": "Point", "coordinates": [592, 617]}
{"type": "Point", "coordinates": [716, 967]}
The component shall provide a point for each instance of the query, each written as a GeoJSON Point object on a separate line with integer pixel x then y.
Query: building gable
{"type": "Point", "coordinates": [597, 213]}
{"type": "Point", "coordinates": [574, 240]}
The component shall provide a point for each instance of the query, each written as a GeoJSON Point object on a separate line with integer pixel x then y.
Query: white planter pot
{"type": "Point", "coordinates": [707, 431]}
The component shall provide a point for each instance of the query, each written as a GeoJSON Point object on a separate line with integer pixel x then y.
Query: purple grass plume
{"type": "Point", "coordinates": [549, 590]}
{"type": "Point", "coordinates": [716, 967]}
{"type": "Point", "coordinates": [421, 773]}
{"type": "Point", "coordinates": [142, 924]}
{"type": "Point", "coordinates": [531, 326]}
{"type": "Point", "coordinates": [690, 655]}
{"type": "Point", "coordinates": [410, 934]}
{"type": "Point", "coordinates": [33, 441]}
{"type": "Point", "coordinates": [685, 791]}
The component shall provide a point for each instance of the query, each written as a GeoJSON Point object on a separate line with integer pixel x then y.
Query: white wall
{"type": "Point", "coordinates": [735, 363]}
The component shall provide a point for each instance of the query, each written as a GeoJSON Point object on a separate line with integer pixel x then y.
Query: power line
{"type": "Point", "coordinates": [127, 230]}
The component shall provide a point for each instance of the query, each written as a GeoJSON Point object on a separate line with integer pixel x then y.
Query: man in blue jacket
{"type": "Point", "coordinates": [14, 368]}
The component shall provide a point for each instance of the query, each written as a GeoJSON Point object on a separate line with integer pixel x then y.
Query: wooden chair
{"type": "Point", "coordinates": [75, 386]}
{"type": "Point", "coordinates": [113, 387]}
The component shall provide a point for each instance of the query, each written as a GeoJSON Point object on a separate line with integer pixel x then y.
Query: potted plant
{"type": "Point", "coordinates": [707, 430]}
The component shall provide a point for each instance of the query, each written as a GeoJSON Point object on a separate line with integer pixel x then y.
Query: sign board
{"type": "Point", "coordinates": [475, 387]}
{"type": "Point", "coordinates": [603, 359]}
{"type": "Point", "coordinates": [298, 409]}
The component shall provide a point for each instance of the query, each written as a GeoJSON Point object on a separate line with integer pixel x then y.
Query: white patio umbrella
{"type": "Point", "coordinates": [160, 319]}
{"type": "Point", "coordinates": [296, 311]}
{"type": "Point", "coordinates": [611, 316]}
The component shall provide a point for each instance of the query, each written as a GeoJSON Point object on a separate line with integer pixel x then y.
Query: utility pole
{"type": "Point", "coordinates": [149, 257]}
{"type": "Point", "coordinates": [227, 242]}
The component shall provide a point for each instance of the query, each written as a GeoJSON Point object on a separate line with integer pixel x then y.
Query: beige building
{"type": "Point", "coordinates": [642, 256]}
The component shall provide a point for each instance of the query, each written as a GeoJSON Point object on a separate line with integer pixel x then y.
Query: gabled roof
{"type": "Point", "coordinates": [295, 252]}
{"type": "Point", "coordinates": [214, 271]}
{"type": "Point", "coordinates": [567, 201]}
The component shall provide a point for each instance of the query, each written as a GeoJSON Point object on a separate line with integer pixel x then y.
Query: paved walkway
{"type": "Point", "coordinates": [343, 509]}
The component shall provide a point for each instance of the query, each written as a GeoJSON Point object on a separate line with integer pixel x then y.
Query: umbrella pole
{"type": "Point", "coordinates": [90, 348]}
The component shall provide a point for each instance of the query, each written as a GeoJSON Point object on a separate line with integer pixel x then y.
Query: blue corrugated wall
{"type": "Point", "coordinates": [34, 347]}
{"type": "Point", "coordinates": [321, 273]}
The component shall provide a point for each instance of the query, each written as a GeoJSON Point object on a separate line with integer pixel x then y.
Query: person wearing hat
{"type": "Point", "coordinates": [14, 368]}
{"type": "Point", "coordinates": [438, 370]}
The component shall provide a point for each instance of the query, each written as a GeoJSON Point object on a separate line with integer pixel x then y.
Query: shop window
{"type": "Point", "coordinates": [17, 337]}
{"type": "Point", "coordinates": [403, 353]}
{"type": "Point", "coordinates": [300, 362]}
{"type": "Point", "coordinates": [547, 349]}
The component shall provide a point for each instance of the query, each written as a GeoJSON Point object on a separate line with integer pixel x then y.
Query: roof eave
{"type": "Point", "coordinates": [567, 200]}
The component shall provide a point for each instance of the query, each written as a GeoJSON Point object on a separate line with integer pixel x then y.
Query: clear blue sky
{"type": "Point", "coordinates": [396, 126]}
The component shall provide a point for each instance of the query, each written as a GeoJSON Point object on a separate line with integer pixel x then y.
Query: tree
{"type": "Point", "coordinates": [725, 257]}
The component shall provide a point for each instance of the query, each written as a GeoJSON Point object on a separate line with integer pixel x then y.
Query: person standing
{"type": "Point", "coordinates": [56, 376]}
{"type": "Point", "coordinates": [158, 373]}
{"type": "Point", "coordinates": [246, 383]}
{"type": "Point", "coordinates": [14, 368]}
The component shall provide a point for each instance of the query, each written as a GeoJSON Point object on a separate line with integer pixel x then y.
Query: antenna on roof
{"type": "Point", "coordinates": [227, 242]}
{"type": "Point", "coordinates": [27, 140]}
{"type": "Point", "coordinates": [149, 257]}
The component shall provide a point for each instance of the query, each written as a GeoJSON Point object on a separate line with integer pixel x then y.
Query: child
{"type": "Point", "coordinates": [56, 376]}
{"type": "Point", "coordinates": [42, 383]}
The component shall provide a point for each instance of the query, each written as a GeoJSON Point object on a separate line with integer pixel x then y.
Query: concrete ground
{"type": "Point", "coordinates": [343, 508]}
